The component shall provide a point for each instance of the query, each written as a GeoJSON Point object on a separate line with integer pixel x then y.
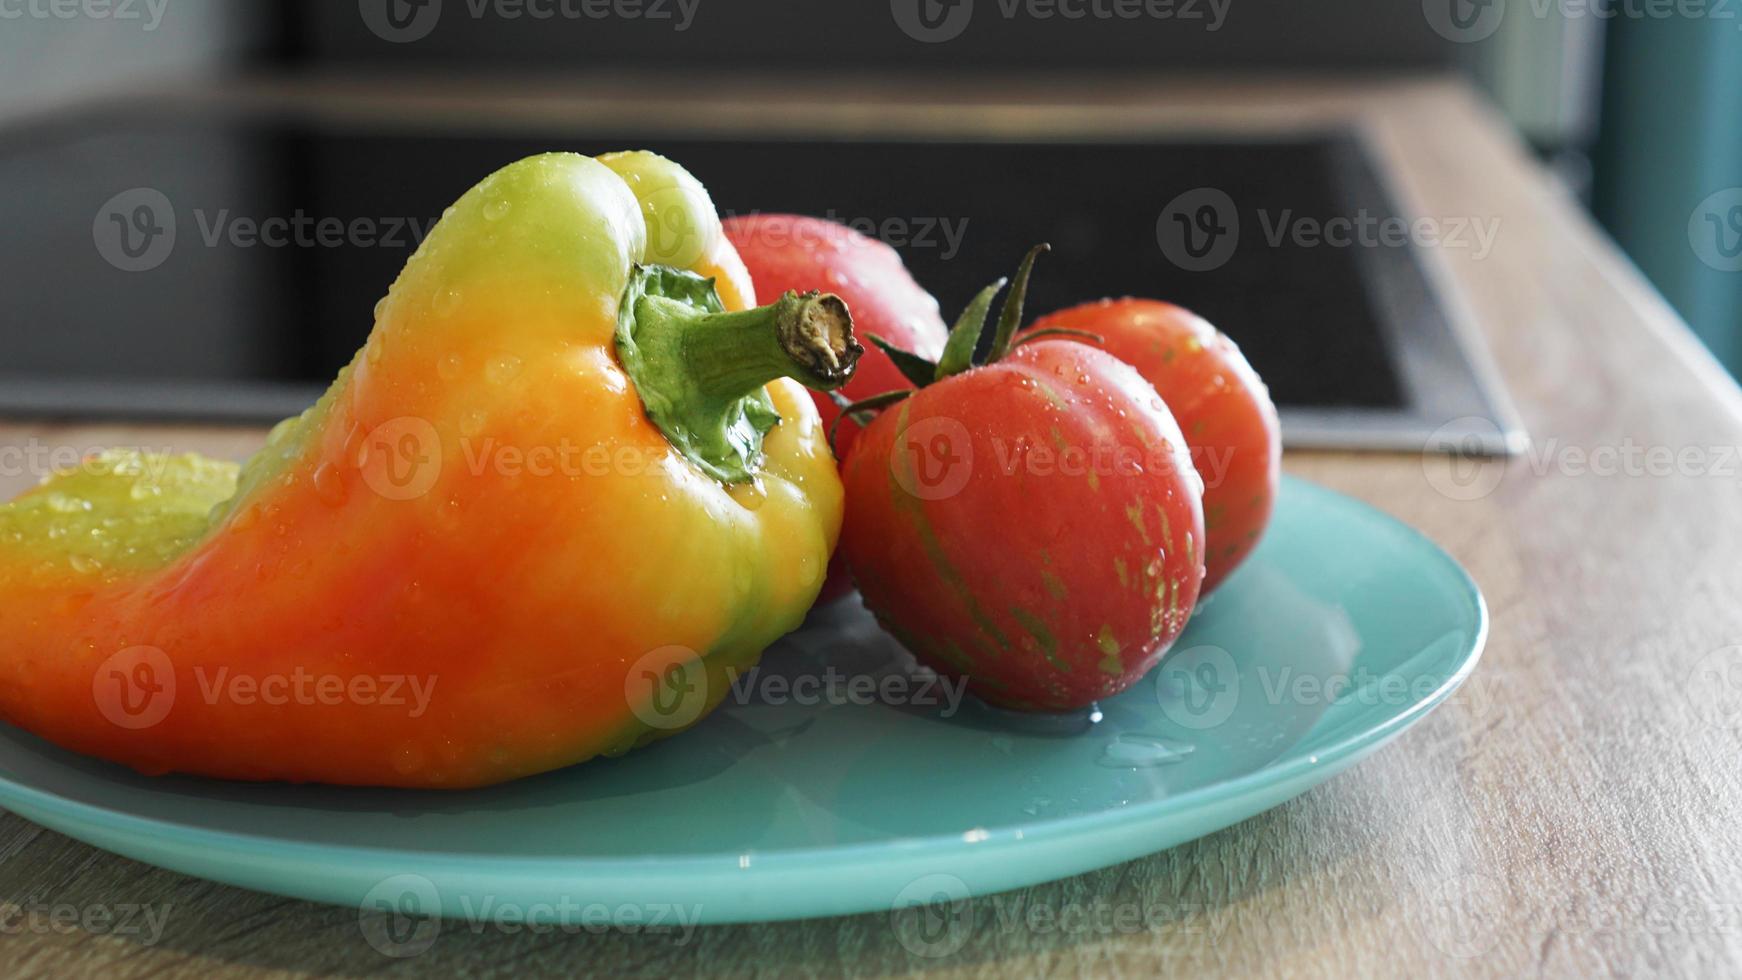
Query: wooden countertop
{"type": "Point", "coordinates": [1577, 812]}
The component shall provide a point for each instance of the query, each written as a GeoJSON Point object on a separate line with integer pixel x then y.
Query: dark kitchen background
{"type": "Point", "coordinates": [1623, 110]}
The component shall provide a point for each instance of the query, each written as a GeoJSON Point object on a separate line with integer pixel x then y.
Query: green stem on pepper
{"type": "Point", "coordinates": [701, 371]}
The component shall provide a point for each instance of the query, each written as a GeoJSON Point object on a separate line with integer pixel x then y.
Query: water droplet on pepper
{"type": "Point", "coordinates": [330, 485]}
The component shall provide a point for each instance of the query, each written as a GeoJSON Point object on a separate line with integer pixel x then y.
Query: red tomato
{"type": "Point", "coordinates": [791, 252]}
{"type": "Point", "coordinates": [1220, 403]}
{"type": "Point", "coordinates": [1033, 526]}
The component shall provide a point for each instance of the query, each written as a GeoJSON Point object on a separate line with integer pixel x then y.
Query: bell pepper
{"type": "Point", "coordinates": [565, 491]}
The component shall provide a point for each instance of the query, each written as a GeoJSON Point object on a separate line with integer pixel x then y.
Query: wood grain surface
{"type": "Point", "coordinates": [1576, 811]}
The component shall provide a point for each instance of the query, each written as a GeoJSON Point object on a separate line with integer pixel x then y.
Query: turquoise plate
{"type": "Point", "coordinates": [841, 781]}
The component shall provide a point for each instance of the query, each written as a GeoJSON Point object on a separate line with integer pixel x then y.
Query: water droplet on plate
{"type": "Point", "coordinates": [1065, 724]}
{"type": "Point", "coordinates": [1134, 750]}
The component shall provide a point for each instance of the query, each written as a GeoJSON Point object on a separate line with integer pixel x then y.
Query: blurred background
{"type": "Point", "coordinates": [1630, 105]}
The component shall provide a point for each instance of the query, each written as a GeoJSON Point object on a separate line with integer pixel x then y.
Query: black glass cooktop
{"type": "Point", "coordinates": [224, 268]}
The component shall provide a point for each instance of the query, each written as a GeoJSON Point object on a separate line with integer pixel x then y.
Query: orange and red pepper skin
{"type": "Point", "coordinates": [794, 252]}
{"type": "Point", "coordinates": [479, 508]}
{"type": "Point", "coordinates": [1033, 525]}
{"type": "Point", "coordinates": [1221, 404]}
